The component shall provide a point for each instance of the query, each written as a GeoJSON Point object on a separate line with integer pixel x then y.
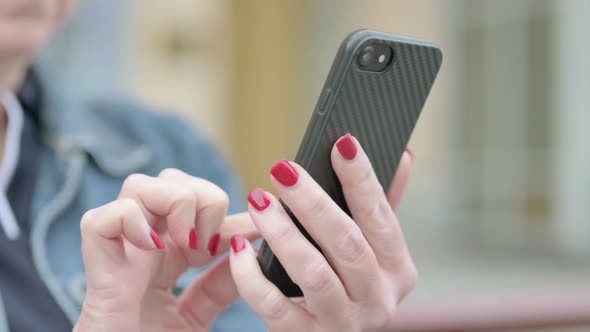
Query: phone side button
{"type": "Point", "coordinates": [324, 101]}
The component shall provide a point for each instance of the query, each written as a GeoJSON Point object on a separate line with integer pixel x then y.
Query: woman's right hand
{"type": "Point", "coordinates": [137, 246]}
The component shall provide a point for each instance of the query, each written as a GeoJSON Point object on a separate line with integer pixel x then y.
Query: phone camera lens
{"type": "Point", "coordinates": [366, 56]}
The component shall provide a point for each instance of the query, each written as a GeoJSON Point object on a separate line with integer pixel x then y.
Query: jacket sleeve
{"type": "Point", "coordinates": [175, 143]}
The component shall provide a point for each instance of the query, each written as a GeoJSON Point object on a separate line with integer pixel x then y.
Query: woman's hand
{"type": "Point", "coordinates": [367, 270]}
{"type": "Point", "coordinates": [136, 247]}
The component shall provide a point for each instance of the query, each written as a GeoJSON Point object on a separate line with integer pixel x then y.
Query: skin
{"type": "Point", "coordinates": [367, 270]}
{"type": "Point", "coordinates": [129, 279]}
{"type": "Point", "coordinates": [33, 22]}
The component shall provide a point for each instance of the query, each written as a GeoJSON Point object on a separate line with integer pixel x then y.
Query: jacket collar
{"type": "Point", "coordinates": [71, 126]}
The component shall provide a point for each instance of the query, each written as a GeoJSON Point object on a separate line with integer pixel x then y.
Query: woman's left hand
{"type": "Point", "coordinates": [367, 269]}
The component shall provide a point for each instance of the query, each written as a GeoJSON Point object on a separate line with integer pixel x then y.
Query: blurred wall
{"type": "Point", "coordinates": [181, 59]}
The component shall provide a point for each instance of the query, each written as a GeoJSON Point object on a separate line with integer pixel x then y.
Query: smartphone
{"type": "Point", "coordinates": [375, 90]}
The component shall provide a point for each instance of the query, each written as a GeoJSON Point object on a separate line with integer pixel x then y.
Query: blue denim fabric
{"type": "Point", "coordinates": [89, 149]}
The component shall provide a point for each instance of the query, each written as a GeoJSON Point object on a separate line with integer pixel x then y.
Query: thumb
{"type": "Point", "coordinates": [400, 180]}
{"type": "Point", "coordinates": [210, 294]}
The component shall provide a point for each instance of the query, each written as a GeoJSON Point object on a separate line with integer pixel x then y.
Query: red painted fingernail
{"type": "Point", "coordinates": [238, 243]}
{"type": "Point", "coordinates": [258, 199]}
{"type": "Point", "coordinates": [192, 239]}
{"type": "Point", "coordinates": [285, 173]}
{"type": "Point", "coordinates": [157, 241]}
{"type": "Point", "coordinates": [347, 147]}
{"type": "Point", "coordinates": [213, 243]}
{"type": "Point", "coordinates": [411, 153]}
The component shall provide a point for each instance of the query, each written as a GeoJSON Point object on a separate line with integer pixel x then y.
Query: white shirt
{"type": "Point", "coordinates": [14, 114]}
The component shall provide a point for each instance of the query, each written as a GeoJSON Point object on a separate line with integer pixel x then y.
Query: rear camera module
{"type": "Point", "coordinates": [375, 57]}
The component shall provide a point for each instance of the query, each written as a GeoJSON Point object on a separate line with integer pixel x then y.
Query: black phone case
{"type": "Point", "coordinates": [379, 109]}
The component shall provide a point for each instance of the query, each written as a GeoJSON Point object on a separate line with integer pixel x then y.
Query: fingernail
{"type": "Point", "coordinates": [347, 147]}
{"type": "Point", "coordinates": [258, 199]}
{"type": "Point", "coordinates": [192, 239]}
{"type": "Point", "coordinates": [285, 173]}
{"type": "Point", "coordinates": [238, 243]}
{"type": "Point", "coordinates": [411, 153]}
{"type": "Point", "coordinates": [213, 243]}
{"type": "Point", "coordinates": [157, 241]}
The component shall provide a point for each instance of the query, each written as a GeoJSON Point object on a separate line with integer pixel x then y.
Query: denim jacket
{"type": "Point", "coordinates": [88, 151]}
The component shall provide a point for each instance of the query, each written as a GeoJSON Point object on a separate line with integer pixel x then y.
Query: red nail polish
{"type": "Point", "coordinates": [258, 199]}
{"type": "Point", "coordinates": [285, 173]}
{"type": "Point", "coordinates": [346, 147]}
{"type": "Point", "coordinates": [411, 153]}
{"type": "Point", "coordinates": [213, 243]}
{"type": "Point", "coordinates": [192, 239]}
{"type": "Point", "coordinates": [238, 243]}
{"type": "Point", "coordinates": [157, 241]}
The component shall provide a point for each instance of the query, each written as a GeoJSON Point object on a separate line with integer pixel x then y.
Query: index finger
{"type": "Point", "coordinates": [335, 232]}
{"type": "Point", "coordinates": [211, 208]}
{"type": "Point", "coordinates": [161, 200]}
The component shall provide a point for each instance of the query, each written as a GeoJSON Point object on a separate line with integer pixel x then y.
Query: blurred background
{"type": "Point", "coordinates": [497, 212]}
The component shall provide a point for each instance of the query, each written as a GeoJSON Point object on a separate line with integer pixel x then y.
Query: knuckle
{"type": "Point", "coordinates": [183, 195]}
{"type": "Point", "coordinates": [352, 246]}
{"type": "Point", "coordinates": [215, 196]}
{"type": "Point", "coordinates": [284, 234]}
{"type": "Point", "coordinates": [393, 256]}
{"type": "Point", "coordinates": [317, 208]}
{"type": "Point", "coordinates": [413, 275]}
{"type": "Point", "coordinates": [87, 221]}
{"type": "Point", "coordinates": [246, 276]}
{"type": "Point", "coordinates": [383, 315]}
{"type": "Point", "coordinates": [170, 173]}
{"type": "Point", "coordinates": [318, 277]}
{"type": "Point", "coordinates": [273, 305]}
{"type": "Point", "coordinates": [224, 199]}
{"type": "Point", "coordinates": [409, 278]}
{"type": "Point", "coordinates": [127, 207]}
{"type": "Point", "coordinates": [364, 178]}
{"type": "Point", "coordinates": [219, 199]}
{"type": "Point", "coordinates": [133, 182]}
{"type": "Point", "coordinates": [378, 212]}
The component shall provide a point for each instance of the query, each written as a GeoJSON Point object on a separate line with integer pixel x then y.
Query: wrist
{"type": "Point", "coordinates": [96, 319]}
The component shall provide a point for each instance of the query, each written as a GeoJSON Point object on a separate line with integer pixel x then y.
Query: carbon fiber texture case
{"type": "Point", "coordinates": [379, 109]}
